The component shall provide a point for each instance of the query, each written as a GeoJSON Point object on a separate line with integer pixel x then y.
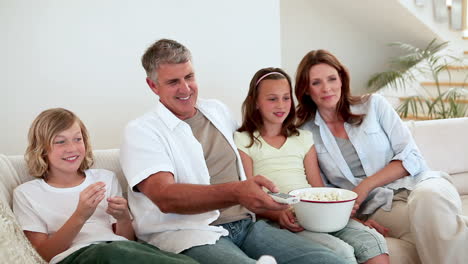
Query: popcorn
{"type": "Point", "coordinates": [321, 196]}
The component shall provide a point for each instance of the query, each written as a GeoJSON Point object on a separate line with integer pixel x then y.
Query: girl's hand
{"type": "Point", "coordinates": [362, 191]}
{"type": "Point", "coordinates": [89, 200]}
{"type": "Point", "coordinates": [380, 228]}
{"type": "Point", "coordinates": [118, 208]}
{"type": "Point", "coordinates": [287, 219]}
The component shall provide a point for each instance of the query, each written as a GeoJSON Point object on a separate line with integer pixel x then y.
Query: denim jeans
{"type": "Point", "coordinates": [248, 240]}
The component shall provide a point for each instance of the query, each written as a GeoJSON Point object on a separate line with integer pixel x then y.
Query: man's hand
{"type": "Point", "coordinates": [250, 194]}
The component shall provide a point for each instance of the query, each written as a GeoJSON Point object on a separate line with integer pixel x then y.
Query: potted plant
{"type": "Point", "coordinates": [446, 100]}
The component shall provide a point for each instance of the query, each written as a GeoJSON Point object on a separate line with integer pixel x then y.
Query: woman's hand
{"type": "Point", "coordinates": [89, 200]}
{"type": "Point", "coordinates": [287, 219]}
{"type": "Point", "coordinates": [118, 208]}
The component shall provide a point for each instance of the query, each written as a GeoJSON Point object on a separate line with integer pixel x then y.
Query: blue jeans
{"type": "Point", "coordinates": [248, 240]}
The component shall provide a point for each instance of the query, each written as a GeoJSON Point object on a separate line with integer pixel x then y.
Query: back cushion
{"type": "Point", "coordinates": [13, 171]}
{"type": "Point", "coordinates": [443, 143]}
{"type": "Point", "coordinates": [109, 159]}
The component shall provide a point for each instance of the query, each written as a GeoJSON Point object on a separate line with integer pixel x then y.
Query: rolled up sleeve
{"type": "Point", "coordinates": [402, 142]}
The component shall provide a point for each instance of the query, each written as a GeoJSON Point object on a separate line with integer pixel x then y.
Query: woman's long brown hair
{"type": "Point", "coordinates": [306, 107]}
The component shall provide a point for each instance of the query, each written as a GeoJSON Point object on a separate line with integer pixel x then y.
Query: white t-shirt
{"type": "Point", "coordinates": [159, 141]}
{"type": "Point", "coordinates": [42, 208]}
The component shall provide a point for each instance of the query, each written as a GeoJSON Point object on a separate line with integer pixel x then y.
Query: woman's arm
{"type": "Point", "coordinates": [312, 169]}
{"type": "Point", "coordinates": [402, 143]}
{"type": "Point", "coordinates": [390, 173]}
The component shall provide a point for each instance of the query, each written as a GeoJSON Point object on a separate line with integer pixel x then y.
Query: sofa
{"type": "Point", "coordinates": [443, 143]}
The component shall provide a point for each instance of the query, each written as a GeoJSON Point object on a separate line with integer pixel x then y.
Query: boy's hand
{"type": "Point", "coordinates": [89, 200]}
{"type": "Point", "coordinates": [118, 208]}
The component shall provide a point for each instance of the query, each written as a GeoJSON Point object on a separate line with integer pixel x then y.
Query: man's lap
{"type": "Point", "coordinates": [254, 239]}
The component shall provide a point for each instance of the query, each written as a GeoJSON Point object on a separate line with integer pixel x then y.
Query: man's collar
{"type": "Point", "coordinates": [167, 116]}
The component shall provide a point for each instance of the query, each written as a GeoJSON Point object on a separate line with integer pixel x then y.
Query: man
{"type": "Point", "coordinates": [188, 188]}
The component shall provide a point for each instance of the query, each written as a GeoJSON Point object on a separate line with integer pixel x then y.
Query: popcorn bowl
{"type": "Point", "coordinates": [323, 209]}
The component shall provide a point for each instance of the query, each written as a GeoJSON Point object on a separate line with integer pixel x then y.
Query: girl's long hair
{"type": "Point", "coordinates": [252, 119]}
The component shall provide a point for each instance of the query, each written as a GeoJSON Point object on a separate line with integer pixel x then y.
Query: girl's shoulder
{"type": "Point", "coordinates": [304, 133]}
{"type": "Point", "coordinates": [241, 137]}
{"type": "Point", "coordinates": [241, 134]}
{"type": "Point", "coordinates": [305, 139]}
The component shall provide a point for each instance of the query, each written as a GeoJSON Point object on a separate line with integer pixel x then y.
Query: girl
{"type": "Point", "coordinates": [73, 214]}
{"type": "Point", "coordinates": [272, 146]}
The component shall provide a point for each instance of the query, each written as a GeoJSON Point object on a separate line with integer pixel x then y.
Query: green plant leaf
{"type": "Point", "coordinates": [429, 63]}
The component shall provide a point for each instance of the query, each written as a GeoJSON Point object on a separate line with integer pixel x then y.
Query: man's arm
{"type": "Point", "coordinates": [180, 198]}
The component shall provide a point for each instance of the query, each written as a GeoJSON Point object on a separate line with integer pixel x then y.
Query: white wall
{"type": "Point", "coordinates": [85, 56]}
{"type": "Point", "coordinates": [357, 32]}
{"type": "Point", "coordinates": [426, 14]}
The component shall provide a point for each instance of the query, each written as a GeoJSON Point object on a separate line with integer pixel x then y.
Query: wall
{"type": "Point", "coordinates": [440, 27]}
{"type": "Point", "coordinates": [357, 32]}
{"type": "Point", "coordinates": [85, 56]}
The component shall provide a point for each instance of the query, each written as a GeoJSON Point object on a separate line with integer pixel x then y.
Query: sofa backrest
{"type": "Point", "coordinates": [444, 145]}
{"type": "Point", "coordinates": [13, 171]}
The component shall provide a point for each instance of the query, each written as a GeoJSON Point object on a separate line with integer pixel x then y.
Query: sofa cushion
{"type": "Point", "coordinates": [460, 180]}
{"type": "Point", "coordinates": [402, 252]}
{"type": "Point", "coordinates": [109, 159]}
{"type": "Point", "coordinates": [13, 171]}
{"type": "Point", "coordinates": [464, 199]}
{"type": "Point", "coordinates": [14, 246]}
{"type": "Point", "coordinates": [443, 143]}
{"type": "Point", "coordinates": [10, 177]}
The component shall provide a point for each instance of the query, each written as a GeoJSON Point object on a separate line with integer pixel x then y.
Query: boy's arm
{"type": "Point", "coordinates": [49, 246]}
{"type": "Point", "coordinates": [124, 228]}
{"type": "Point", "coordinates": [312, 169]}
{"type": "Point", "coordinates": [118, 208]}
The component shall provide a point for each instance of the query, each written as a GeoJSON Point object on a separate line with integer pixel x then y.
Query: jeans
{"type": "Point", "coordinates": [248, 240]}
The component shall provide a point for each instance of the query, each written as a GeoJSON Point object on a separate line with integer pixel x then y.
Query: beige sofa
{"type": "Point", "coordinates": [443, 143]}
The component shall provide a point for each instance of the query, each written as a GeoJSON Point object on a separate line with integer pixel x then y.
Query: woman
{"type": "Point", "coordinates": [363, 145]}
